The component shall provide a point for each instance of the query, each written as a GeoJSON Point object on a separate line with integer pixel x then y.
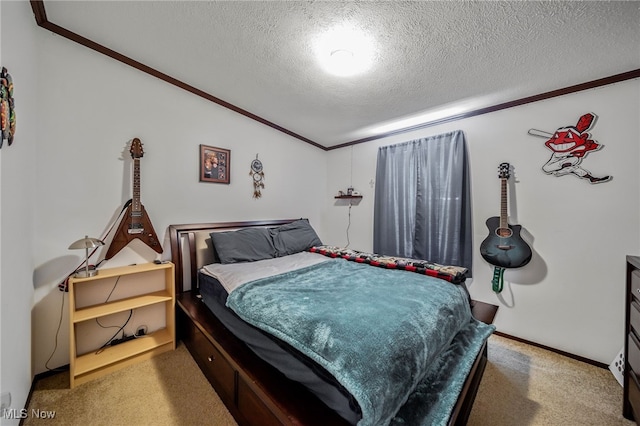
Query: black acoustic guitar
{"type": "Point", "coordinates": [504, 247]}
{"type": "Point", "coordinates": [135, 223]}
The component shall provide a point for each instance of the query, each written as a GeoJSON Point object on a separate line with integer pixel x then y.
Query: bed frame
{"type": "Point", "coordinates": [254, 392]}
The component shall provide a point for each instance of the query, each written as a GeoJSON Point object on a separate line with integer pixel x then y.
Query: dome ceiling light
{"type": "Point", "coordinates": [345, 51]}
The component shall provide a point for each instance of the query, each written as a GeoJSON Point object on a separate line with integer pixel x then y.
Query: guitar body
{"type": "Point", "coordinates": [505, 248]}
{"type": "Point", "coordinates": [134, 226]}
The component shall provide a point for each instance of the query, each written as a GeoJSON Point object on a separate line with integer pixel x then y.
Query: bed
{"type": "Point", "coordinates": [236, 279]}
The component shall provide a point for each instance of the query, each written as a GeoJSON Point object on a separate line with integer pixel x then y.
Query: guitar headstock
{"type": "Point", "coordinates": [136, 148]}
{"type": "Point", "coordinates": [503, 170]}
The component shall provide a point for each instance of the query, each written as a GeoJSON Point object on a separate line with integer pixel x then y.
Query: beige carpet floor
{"type": "Point", "coordinates": [167, 390]}
{"type": "Point", "coordinates": [525, 385]}
{"type": "Point", "coordinates": [522, 385]}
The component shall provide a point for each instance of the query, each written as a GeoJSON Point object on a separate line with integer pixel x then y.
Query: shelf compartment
{"type": "Point", "coordinates": [110, 368]}
{"type": "Point", "coordinates": [123, 270]}
{"type": "Point", "coordinates": [134, 302]}
{"type": "Point", "coordinates": [114, 354]}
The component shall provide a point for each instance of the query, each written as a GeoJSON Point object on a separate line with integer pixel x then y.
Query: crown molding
{"type": "Point", "coordinates": [41, 19]}
{"type": "Point", "coordinates": [40, 15]}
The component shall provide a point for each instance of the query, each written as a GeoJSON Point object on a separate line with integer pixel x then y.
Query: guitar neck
{"type": "Point", "coordinates": [135, 202]}
{"type": "Point", "coordinates": [503, 203]}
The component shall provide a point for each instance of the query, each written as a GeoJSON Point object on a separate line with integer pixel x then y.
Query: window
{"type": "Point", "coordinates": [422, 206]}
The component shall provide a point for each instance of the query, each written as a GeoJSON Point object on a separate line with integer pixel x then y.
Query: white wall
{"type": "Point", "coordinates": [17, 183]}
{"type": "Point", "coordinates": [571, 295]}
{"type": "Point", "coordinates": [91, 106]}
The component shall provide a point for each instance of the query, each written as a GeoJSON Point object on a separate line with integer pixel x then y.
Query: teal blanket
{"type": "Point", "coordinates": [379, 332]}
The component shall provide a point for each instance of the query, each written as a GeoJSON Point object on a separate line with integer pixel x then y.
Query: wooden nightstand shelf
{"type": "Point", "coordinates": [134, 295]}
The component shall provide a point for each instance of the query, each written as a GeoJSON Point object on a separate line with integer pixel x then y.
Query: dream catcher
{"type": "Point", "coordinates": [7, 108]}
{"type": "Point", "coordinates": [258, 176]}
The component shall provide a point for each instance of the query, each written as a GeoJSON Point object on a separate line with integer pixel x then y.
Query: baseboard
{"type": "Point", "coordinates": [36, 379]}
{"type": "Point", "coordinates": [554, 350]}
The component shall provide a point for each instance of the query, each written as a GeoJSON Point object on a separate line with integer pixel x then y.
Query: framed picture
{"type": "Point", "coordinates": [214, 164]}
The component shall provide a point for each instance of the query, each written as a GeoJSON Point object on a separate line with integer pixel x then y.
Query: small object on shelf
{"type": "Point", "coordinates": [86, 243]}
{"type": "Point", "coordinates": [351, 193]}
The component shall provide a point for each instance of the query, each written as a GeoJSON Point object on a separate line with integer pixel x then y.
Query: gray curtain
{"type": "Point", "coordinates": [422, 207]}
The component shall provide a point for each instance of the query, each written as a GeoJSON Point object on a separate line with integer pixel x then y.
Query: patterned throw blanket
{"type": "Point", "coordinates": [379, 332]}
{"type": "Point", "coordinates": [453, 274]}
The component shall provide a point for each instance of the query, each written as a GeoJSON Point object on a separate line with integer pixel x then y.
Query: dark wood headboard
{"type": "Point", "coordinates": [191, 247]}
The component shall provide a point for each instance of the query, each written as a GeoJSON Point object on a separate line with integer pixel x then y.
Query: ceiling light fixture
{"type": "Point", "coordinates": [342, 55]}
{"type": "Point", "coordinates": [341, 61]}
{"type": "Point", "coordinates": [345, 51]}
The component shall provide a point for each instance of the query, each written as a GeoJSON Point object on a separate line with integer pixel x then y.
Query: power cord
{"type": "Point", "coordinates": [108, 297]}
{"type": "Point", "coordinates": [114, 287]}
{"type": "Point", "coordinates": [348, 226]}
{"type": "Point", "coordinates": [55, 346]}
{"type": "Point", "coordinates": [112, 339]}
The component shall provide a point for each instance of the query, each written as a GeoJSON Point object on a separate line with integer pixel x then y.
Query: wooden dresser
{"type": "Point", "coordinates": [631, 403]}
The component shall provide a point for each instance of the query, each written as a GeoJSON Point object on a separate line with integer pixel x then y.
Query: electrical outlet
{"type": "Point", "coordinates": [617, 367]}
{"type": "Point", "coordinates": [5, 400]}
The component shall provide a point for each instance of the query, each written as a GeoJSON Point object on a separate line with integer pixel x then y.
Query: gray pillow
{"type": "Point", "coordinates": [294, 237]}
{"type": "Point", "coordinates": [244, 245]}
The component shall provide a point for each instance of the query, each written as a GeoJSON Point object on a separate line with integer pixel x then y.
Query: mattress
{"type": "Point", "coordinates": [283, 357]}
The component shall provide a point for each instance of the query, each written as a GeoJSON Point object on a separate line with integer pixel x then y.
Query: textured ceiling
{"type": "Point", "coordinates": [445, 56]}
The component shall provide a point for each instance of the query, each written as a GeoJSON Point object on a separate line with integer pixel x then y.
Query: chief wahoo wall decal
{"type": "Point", "coordinates": [570, 145]}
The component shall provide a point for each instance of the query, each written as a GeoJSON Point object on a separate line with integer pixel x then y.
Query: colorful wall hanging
{"type": "Point", "coordinates": [7, 108]}
{"type": "Point", "coordinates": [257, 175]}
{"type": "Point", "coordinates": [570, 145]}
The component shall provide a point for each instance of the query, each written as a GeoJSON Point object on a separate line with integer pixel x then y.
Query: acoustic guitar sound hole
{"type": "Point", "coordinates": [504, 232]}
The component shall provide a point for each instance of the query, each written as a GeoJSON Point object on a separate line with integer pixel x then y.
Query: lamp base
{"type": "Point", "coordinates": [84, 273]}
